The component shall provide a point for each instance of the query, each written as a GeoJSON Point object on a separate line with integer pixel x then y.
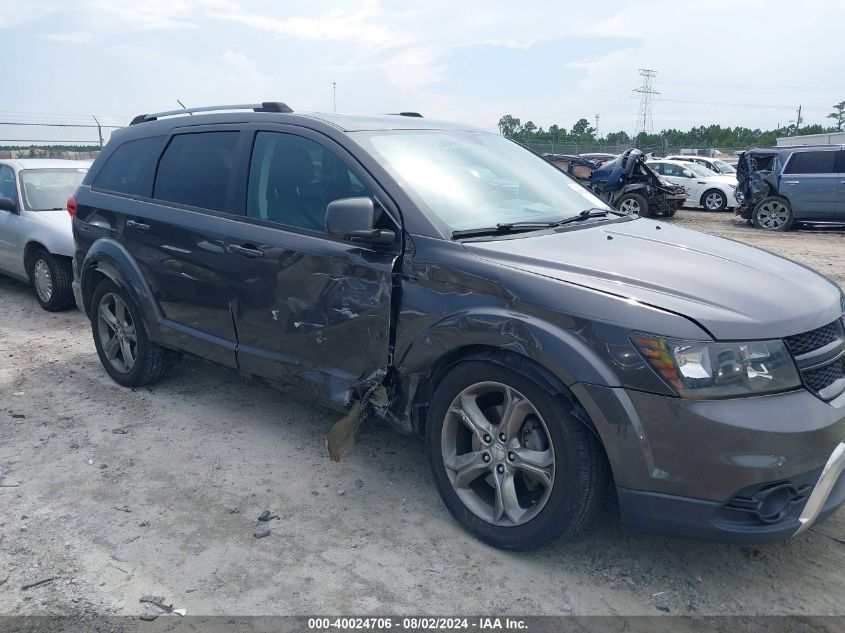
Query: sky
{"type": "Point", "coordinates": [737, 62]}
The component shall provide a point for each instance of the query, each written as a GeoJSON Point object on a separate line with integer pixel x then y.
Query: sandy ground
{"type": "Point", "coordinates": [156, 491]}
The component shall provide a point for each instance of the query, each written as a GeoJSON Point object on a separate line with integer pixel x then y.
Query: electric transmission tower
{"type": "Point", "coordinates": [645, 122]}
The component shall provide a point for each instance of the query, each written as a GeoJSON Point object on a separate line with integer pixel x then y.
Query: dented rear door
{"type": "Point", "coordinates": [308, 309]}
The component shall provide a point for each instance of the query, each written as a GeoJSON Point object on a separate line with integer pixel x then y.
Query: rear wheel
{"type": "Point", "coordinates": [51, 278]}
{"type": "Point", "coordinates": [714, 200]}
{"type": "Point", "coordinates": [510, 462]}
{"type": "Point", "coordinates": [633, 204]}
{"type": "Point", "coordinates": [773, 214]}
{"type": "Point", "coordinates": [124, 348]}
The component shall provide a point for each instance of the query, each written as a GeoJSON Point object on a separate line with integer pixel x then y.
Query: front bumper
{"type": "Point", "coordinates": [746, 470]}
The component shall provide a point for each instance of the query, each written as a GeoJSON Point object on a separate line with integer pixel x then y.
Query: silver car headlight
{"type": "Point", "coordinates": [720, 370]}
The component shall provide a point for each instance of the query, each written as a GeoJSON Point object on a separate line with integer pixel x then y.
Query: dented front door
{"type": "Point", "coordinates": [308, 309]}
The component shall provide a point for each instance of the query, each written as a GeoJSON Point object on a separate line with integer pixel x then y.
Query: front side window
{"type": "Point", "coordinates": [195, 169]}
{"type": "Point", "coordinates": [698, 170]}
{"type": "Point", "coordinates": [129, 169]}
{"type": "Point", "coordinates": [724, 168]}
{"type": "Point", "coordinates": [7, 183]}
{"type": "Point", "coordinates": [811, 163]}
{"type": "Point", "coordinates": [292, 180]}
{"type": "Point", "coordinates": [49, 189]}
{"type": "Point", "coordinates": [657, 167]}
{"type": "Point", "coordinates": [471, 180]}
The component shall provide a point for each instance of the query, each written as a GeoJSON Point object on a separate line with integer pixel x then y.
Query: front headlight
{"type": "Point", "coordinates": [720, 370]}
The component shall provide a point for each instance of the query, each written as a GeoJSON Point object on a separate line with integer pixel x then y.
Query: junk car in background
{"type": "Point", "coordinates": [779, 186]}
{"type": "Point", "coordinates": [625, 183]}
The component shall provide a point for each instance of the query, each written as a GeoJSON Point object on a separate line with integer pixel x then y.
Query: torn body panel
{"type": "Point", "coordinates": [757, 174]}
{"type": "Point", "coordinates": [626, 174]}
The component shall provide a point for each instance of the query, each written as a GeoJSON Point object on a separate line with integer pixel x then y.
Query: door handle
{"type": "Point", "coordinates": [793, 182]}
{"type": "Point", "coordinates": [140, 227]}
{"type": "Point", "coordinates": [246, 250]}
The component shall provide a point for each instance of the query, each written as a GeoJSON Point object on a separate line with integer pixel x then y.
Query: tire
{"type": "Point", "coordinates": [560, 502]}
{"type": "Point", "coordinates": [149, 363]}
{"type": "Point", "coordinates": [672, 211]}
{"type": "Point", "coordinates": [51, 278]}
{"type": "Point", "coordinates": [714, 200]}
{"type": "Point", "coordinates": [633, 203]}
{"type": "Point", "coordinates": [773, 213]}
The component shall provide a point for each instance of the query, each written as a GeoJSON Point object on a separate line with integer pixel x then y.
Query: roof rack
{"type": "Point", "coordinates": [411, 114]}
{"type": "Point", "coordinates": [266, 106]}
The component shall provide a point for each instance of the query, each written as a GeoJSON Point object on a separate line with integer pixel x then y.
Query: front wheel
{"type": "Point", "coordinates": [714, 200]}
{"type": "Point", "coordinates": [124, 348]}
{"type": "Point", "coordinates": [773, 214]}
{"type": "Point", "coordinates": [633, 204]}
{"type": "Point", "coordinates": [510, 462]}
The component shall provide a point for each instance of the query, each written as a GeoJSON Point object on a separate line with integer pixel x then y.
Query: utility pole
{"type": "Point", "coordinates": [645, 122]}
{"type": "Point", "coordinates": [99, 130]}
{"type": "Point", "coordinates": [334, 96]}
{"type": "Point", "coordinates": [597, 126]}
{"type": "Point", "coordinates": [798, 120]}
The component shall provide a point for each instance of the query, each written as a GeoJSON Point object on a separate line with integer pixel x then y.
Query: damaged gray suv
{"type": "Point", "coordinates": [460, 287]}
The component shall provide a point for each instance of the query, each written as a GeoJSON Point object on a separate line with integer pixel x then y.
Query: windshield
{"type": "Point", "coordinates": [698, 170]}
{"type": "Point", "coordinates": [723, 167]}
{"type": "Point", "coordinates": [470, 180]}
{"type": "Point", "coordinates": [49, 189]}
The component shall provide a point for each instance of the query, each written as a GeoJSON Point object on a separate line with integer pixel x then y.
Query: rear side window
{"type": "Point", "coordinates": [840, 162]}
{"type": "Point", "coordinates": [811, 163]}
{"type": "Point", "coordinates": [130, 167]}
{"type": "Point", "coordinates": [195, 169]}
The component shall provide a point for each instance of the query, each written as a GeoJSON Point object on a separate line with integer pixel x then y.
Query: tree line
{"type": "Point", "coordinates": [708, 136]}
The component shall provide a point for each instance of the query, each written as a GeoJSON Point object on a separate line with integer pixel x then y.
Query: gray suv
{"type": "Point", "coordinates": [778, 187]}
{"type": "Point", "coordinates": [463, 289]}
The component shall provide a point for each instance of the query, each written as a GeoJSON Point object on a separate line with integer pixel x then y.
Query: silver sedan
{"type": "Point", "coordinates": [36, 243]}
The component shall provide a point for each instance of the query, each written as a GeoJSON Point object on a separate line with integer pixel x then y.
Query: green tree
{"type": "Point", "coordinates": [838, 115]}
{"type": "Point", "coordinates": [509, 126]}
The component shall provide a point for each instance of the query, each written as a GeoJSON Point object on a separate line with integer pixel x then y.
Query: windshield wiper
{"type": "Point", "coordinates": [518, 227]}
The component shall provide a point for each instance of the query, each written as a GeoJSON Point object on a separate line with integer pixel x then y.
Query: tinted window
{"type": "Point", "coordinates": [811, 163]}
{"type": "Point", "coordinates": [292, 179]}
{"type": "Point", "coordinates": [7, 183]}
{"type": "Point", "coordinates": [840, 162]}
{"type": "Point", "coordinates": [130, 167]}
{"type": "Point", "coordinates": [195, 169]}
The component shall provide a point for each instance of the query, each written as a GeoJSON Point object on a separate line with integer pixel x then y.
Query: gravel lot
{"type": "Point", "coordinates": [156, 491]}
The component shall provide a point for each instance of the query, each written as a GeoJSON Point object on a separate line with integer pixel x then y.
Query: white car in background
{"type": "Point", "coordinates": [716, 165]}
{"type": "Point", "coordinates": [714, 192]}
{"type": "Point", "coordinates": [36, 242]}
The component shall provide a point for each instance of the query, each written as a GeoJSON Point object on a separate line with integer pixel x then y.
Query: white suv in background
{"type": "Point", "coordinates": [715, 165]}
{"type": "Point", "coordinates": [714, 192]}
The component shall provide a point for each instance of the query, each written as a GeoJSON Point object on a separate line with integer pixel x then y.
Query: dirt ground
{"type": "Point", "coordinates": [122, 493]}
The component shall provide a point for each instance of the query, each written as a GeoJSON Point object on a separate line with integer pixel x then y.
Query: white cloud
{"type": "Point", "coordinates": [72, 37]}
{"type": "Point", "coordinates": [239, 68]}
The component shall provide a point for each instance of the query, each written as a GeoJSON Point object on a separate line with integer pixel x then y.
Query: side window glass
{"type": "Point", "coordinates": [130, 167]}
{"type": "Point", "coordinates": [811, 163]}
{"type": "Point", "coordinates": [657, 167]}
{"type": "Point", "coordinates": [195, 169]}
{"type": "Point", "coordinates": [839, 167]}
{"type": "Point", "coordinates": [7, 183]}
{"type": "Point", "coordinates": [292, 179]}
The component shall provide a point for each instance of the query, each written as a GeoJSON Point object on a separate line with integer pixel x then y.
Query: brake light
{"type": "Point", "coordinates": [71, 206]}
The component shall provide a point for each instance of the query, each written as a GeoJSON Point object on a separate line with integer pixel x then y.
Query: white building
{"type": "Point", "coordinates": [834, 138]}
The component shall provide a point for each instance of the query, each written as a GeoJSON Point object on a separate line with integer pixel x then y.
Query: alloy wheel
{"type": "Point", "coordinates": [713, 201]}
{"type": "Point", "coordinates": [772, 215]}
{"type": "Point", "coordinates": [630, 206]}
{"type": "Point", "coordinates": [118, 336]}
{"type": "Point", "coordinates": [43, 280]}
{"type": "Point", "coordinates": [498, 454]}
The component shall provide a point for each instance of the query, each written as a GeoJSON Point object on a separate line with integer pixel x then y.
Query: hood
{"type": "Point", "coordinates": [734, 291]}
{"type": "Point", "coordinates": [60, 220]}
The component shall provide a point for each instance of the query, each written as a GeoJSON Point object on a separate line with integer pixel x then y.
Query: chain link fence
{"type": "Point", "coordinates": [601, 148]}
{"type": "Point", "coordinates": [51, 135]}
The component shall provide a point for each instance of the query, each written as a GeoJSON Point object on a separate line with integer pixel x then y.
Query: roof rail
{"type": "Point", "coordinates": [411, 114]}
{"type": "Point", "coordinates": [266, 106]}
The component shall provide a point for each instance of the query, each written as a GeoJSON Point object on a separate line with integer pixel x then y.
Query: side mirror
{"type": "Point", "coordinates": [354, 220]}
{"type": "Point", "coordinates": [7, 204]}
{"type": "Point", "coordinates": [687, 173]}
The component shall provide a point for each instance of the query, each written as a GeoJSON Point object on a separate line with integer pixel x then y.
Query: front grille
{"type": "Point", "coordinates": [820, 360]}
{"type": "Point", "coordinates": [809, 341]}
{"type": "Point", "coordinates": [819, 379]}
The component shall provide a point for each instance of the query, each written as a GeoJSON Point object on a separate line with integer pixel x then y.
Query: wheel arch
{"type": "Point", "coordinates": [107, 259]}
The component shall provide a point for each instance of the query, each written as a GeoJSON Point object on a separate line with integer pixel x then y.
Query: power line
{"type": "Point", "coordinates": [645, 121]}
